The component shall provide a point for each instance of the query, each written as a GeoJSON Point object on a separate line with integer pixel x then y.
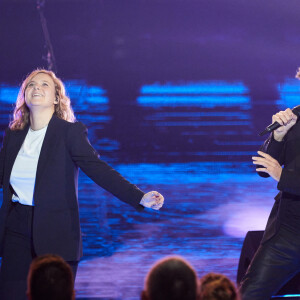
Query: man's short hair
{"type": "Point", "coordinates": [171, 278]}
{"type": "Point", "coordinates": [49, 278]}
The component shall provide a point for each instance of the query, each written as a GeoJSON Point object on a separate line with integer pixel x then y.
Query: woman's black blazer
{"type": "Point", "coordinates": [66, 148]}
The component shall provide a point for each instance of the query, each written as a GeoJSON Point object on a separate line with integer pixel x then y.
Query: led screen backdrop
{"type": "Point", "coordinates": [174, 94]}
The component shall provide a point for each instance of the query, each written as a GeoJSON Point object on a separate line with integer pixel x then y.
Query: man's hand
{"type": "Point", "coordinates": [271, 165]}
{"type": "Point", "coordinates": [153, 200]}
{"type": "Point", "coordinates": [285, 118]}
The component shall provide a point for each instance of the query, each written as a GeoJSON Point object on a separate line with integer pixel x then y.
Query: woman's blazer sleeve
{"type": "Point", "coordinates": [2, 155]}
{"type": "Point", "coordinates": [86, 157]}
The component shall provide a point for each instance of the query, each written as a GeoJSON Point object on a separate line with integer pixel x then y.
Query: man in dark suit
{"type": "Point", "coordinates": [277, 260]}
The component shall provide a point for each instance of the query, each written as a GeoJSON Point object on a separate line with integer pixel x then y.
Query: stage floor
{"type": "Point", "coordinates": [209, 207]}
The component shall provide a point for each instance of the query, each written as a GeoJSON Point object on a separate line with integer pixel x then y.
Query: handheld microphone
{"type": "Point", "coordinates": [275, 125]}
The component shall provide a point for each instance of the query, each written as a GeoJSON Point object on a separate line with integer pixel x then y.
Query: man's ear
{"type": "Point", "coordinates": [144, 296]}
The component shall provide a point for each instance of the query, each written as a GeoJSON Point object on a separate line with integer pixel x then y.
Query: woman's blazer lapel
{"type": "Point", "coordinates": [48, 149]}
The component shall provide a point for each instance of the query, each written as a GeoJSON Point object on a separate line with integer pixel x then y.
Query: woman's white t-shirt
{"type": "Point", "coordinates": [23, 173]}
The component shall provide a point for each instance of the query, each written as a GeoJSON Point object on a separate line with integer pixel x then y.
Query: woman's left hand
{"type": "Point", "coordinates": [271, 165]}
{"type": "Point", "coordinates": [153, 200]}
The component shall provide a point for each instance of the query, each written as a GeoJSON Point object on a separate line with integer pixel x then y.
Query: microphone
{"type": "Point", "coordinates": [275, 125]}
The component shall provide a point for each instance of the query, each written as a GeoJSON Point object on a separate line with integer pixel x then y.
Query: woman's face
{"type": "Point", "coordinates": [40, 92]}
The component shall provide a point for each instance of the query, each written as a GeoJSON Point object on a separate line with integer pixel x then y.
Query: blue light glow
{"type": "Point", "coordinates": [203, 94]}
{"type": "Point", "coordinates": [96, 90]}
{"type": "Point", "coordinates": [82, 92]}
{"type": "Point", "coordinates": [203, 123]}
{"type": "Point", "coordinates": [238, 115]}
{"type": "Point", "coordinates": [225, 153]}
{"type": "Point", "coordinates": [97, 99]}
{"type": "Point", "coordinates": [204, 101]}
{"type": "Point", "coordinates": [288, 295]}
{"type": "Point", "coordinates": [8, 94]}
{"type": "Point", "coordinates": [290, 86]}
{"type": "Point", "coordinates": [289, 93]}
{"type": "Point", "coordinates": [213, 87]}
{"type": "Point", "coordinates": [247, 143]}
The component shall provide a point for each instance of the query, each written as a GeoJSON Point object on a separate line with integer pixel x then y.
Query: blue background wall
{"type": "Point", "coordinates": [174, 94]}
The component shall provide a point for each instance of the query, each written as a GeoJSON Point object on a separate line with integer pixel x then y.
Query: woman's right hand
{"type": "Point", "coordinates": [285, 118]}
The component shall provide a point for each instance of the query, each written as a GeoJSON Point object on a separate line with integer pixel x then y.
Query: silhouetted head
{"type": "Point", "coordinates": [171, 278]}
{"type": "Point", "coordinates": [50, 278]}
{"type": "Point", "coordinates": [217, 287]}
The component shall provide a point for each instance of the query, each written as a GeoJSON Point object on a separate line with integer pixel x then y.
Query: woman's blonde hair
{"type": "Point", "coordinates": [62, 109]}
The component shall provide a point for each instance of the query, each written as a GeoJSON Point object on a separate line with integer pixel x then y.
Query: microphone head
{"type": "Point", "coordinates": [296, 110]}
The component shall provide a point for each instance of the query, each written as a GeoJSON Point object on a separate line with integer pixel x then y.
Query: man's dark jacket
{"type": "Point", "coordinates": [286, 209]}
{"type": "Point", "coordinates": [56, 227]}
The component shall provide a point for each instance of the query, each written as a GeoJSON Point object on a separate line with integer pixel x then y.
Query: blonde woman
{"type": "Point", "coordinates": [43, 148]}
